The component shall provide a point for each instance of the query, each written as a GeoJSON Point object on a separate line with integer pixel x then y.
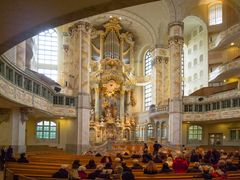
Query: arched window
{"type": "Point", "coordinates": [215, 14]}
{"type": "Point", "coordinates": [46, 130]}
{"type": "Point", "coordinates": [47, 53]}
{"type": "Point", "coordinates": [195, 133]}
{"type": "Point", "coordinates": [148, 63]}
{"type": "Point", "coordinates": [149, 131]}
{"type": "Point", "coordinates": [148, 87]}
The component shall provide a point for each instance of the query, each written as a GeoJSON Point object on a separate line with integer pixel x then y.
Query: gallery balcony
{"type": "Point", "coordinates": [226, 71]}
{"type": "Point", "coordinates": [156, 112]}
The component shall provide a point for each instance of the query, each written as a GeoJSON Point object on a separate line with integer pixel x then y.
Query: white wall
{"type": "Point", "coordinates": [196, 61]}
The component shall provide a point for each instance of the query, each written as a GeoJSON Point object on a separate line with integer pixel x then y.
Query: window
{"type": "Point", "coordinates": [226, 103]}
{"type": "Point", "coordinates": [46, 130]}
{"type": "Point", "coordinates": [195, 47]}
{"type": "Point", "coordinates": [148, 63]}
{"type": "Point", "coordinates": [215, 14]}
{"type": "Point", "coordinates": [195, 133]}
{"type": "Point", "coordinates": [58, 100]}
{"type": "Point", "coordinates": [189, 65]}
{"type": "Point", "coordinates": [201, 58]}
{"type": "Point", "coordinates": [70, 101]}
{"type": "Point", "coordinates": [234, 134]}
{"type": "Point", "coordinates": [9, 74]}
{"type": "Point", "coordinates": [150, 131]}
{"type": "Point", "coordinates": [236, 102]}
{"type": "Point", "coordinates": [47, 53]}
{"type": "Point", "coordinates": [18, 79]}
{"type": "Point", "coordinates": [207, 107]}
{"type": "Point", "coordinates": [188, 108]}
{"type": "Point", "coordinates": [148, 96]}
{"type": "Point", "coordinates": [216, 105]}
{"type": "Point", "coordinates": [195, 76]}
{"type": "Point", "coordinates": [198, 108]}
{"type": "Point", "coordinates": [195, 61]}
{"type": "Point", "coordinates": [27, 84]}
{"type": "Point", "coordinates": [2, 68]}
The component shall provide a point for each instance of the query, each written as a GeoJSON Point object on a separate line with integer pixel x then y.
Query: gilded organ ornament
{"type": "Point", "coordinates": [112, 72]}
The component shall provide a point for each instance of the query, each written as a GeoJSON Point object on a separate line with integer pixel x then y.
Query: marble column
{"type": "Point", "coordinates": [160, 76]}
{"type": "Point", "coordinates": [175, 104]}
{"type": "Point", "coordinates": [80, 54]}
{"type": "Point", "coordinates": [96, 103]}
{"type": "Point", "coordinates": [18, 131]}
{"type": "Point", "coordinates": [122, 97]}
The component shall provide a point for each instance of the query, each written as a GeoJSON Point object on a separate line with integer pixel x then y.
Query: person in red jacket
{"type": "Point", "coordinates": [180, 165]}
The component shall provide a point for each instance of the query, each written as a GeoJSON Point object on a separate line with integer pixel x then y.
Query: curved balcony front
{"type": "Point", "coordinates": [45, 100]}
{"type": "Point", "coordinates": [225, 71]}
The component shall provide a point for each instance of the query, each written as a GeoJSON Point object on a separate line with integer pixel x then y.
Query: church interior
{"type": "Point", "coordinates": [100, 76]}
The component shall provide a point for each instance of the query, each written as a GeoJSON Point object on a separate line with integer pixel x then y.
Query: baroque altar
{"type": "Point", "coordinates": [112, 82]}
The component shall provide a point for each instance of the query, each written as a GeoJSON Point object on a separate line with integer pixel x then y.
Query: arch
{"type": "Point", "coordinates": [40, 20]}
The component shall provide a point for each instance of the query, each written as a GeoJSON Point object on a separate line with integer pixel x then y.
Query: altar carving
{"type": "Point", "coordinates": [112, 83]}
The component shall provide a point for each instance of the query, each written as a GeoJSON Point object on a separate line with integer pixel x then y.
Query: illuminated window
{"type": "Point", "coordinates": [47, 53]}
{"type": "Point", "coordinates": [148, 96]}
{"type": "Point", "coordinates": [215, 14]}
{"type": "Point", "coordinates": [149, 131]}
{"type": "Point", "coordinates": [195, 133]}
{"type": "Point", "coordinates": [46, 130]}
{"type": "Point", "coordinates": [148, 63]}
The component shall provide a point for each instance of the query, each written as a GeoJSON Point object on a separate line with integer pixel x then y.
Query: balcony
{"type": "Point", "coordinates": [220, 106]}
{"type": "Point", "coordinates": [225, 71]}
{"type": "Point", "coordinates": [226, 37]}
{"type": "Point", "coordinates": [158, 111]}
{"type": "Point", "coordinates": [27, 91]}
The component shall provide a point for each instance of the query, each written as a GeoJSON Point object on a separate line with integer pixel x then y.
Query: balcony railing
{"type": "Point", "coordinates": [26, 82]}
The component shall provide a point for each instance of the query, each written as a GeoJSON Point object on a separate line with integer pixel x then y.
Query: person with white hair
{"type": "Point", "coordinates": [81, 172]}
{"type": "Point", "coordinates": [136, 164]}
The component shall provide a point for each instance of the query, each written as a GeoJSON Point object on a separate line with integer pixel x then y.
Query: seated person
{"type": "Point", "coordinates": [136, 164]}
{"type": "Point", "coordinates": [22, 158]}
{"type": "Point", "coordinates": [146, 157]}
{"type": "Point", "coordinates": [91, 164]}
{"type": "Point", "coordinates": [207, 172]}
{"type": "Point", "coordinates": [169, 161]}
{"type": "Point", "coordinates": [230, 166]}
{"type": "Point", "coordinates": [180, 165]}
{"type": "Point", "coordinates": [62, 172]}
{"type": "Point", "coordinates": [151, 168]}
{"type": "Point", "coordinates": [128, 175]}
{"type": "Point", "coordinates": [118, 171]}
{"type": "Point", "coordinates": [195, 168]}
{"type": "Point", "coordinates": [81, 172]}
{"type": "Point", "coordinates": [98, 155]}
{"type": "Point", "coordinates": [73, 173]}
{"type": "Point", "coordinates": [165, 168]}
{"type": "Point", "coordinates": [96, 173]}
{"type": "Point", "coordinates": [106, 159]}
{"type": "Point", "coordinates": [157, 159]}
{"type": "Point", "coordinates": [135, 155]}
{"type": "Point", "coordinates": [125, 167]}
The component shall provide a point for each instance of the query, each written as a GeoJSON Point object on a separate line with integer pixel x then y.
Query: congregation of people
{"type": "Point", "coordinates": [210, 164]}
{"type": "Point", "coordinates": [7, 156]}
{"type": "Point", "coordinates": [207, 164]}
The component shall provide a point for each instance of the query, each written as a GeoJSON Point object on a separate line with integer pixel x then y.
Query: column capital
{"type": "Point", "coordinates": [175, 29]}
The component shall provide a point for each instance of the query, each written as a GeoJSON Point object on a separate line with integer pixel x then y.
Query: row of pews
{"type": "Point", "coordinates": [42, 166]}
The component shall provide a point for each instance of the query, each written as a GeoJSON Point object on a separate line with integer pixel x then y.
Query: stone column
{"type": "Point", "coordinates": [160, 75]}
{"type": "Point", "coordinates": [96, 103]}
{"type": "Point", "coordinates": [122, 113]}
{"type": "Point", "coordinates": [80, 45]}
{"type": "Point", "coordinates": [175, 105]}
{"type": "Point", "coordinates": [18, 121]}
